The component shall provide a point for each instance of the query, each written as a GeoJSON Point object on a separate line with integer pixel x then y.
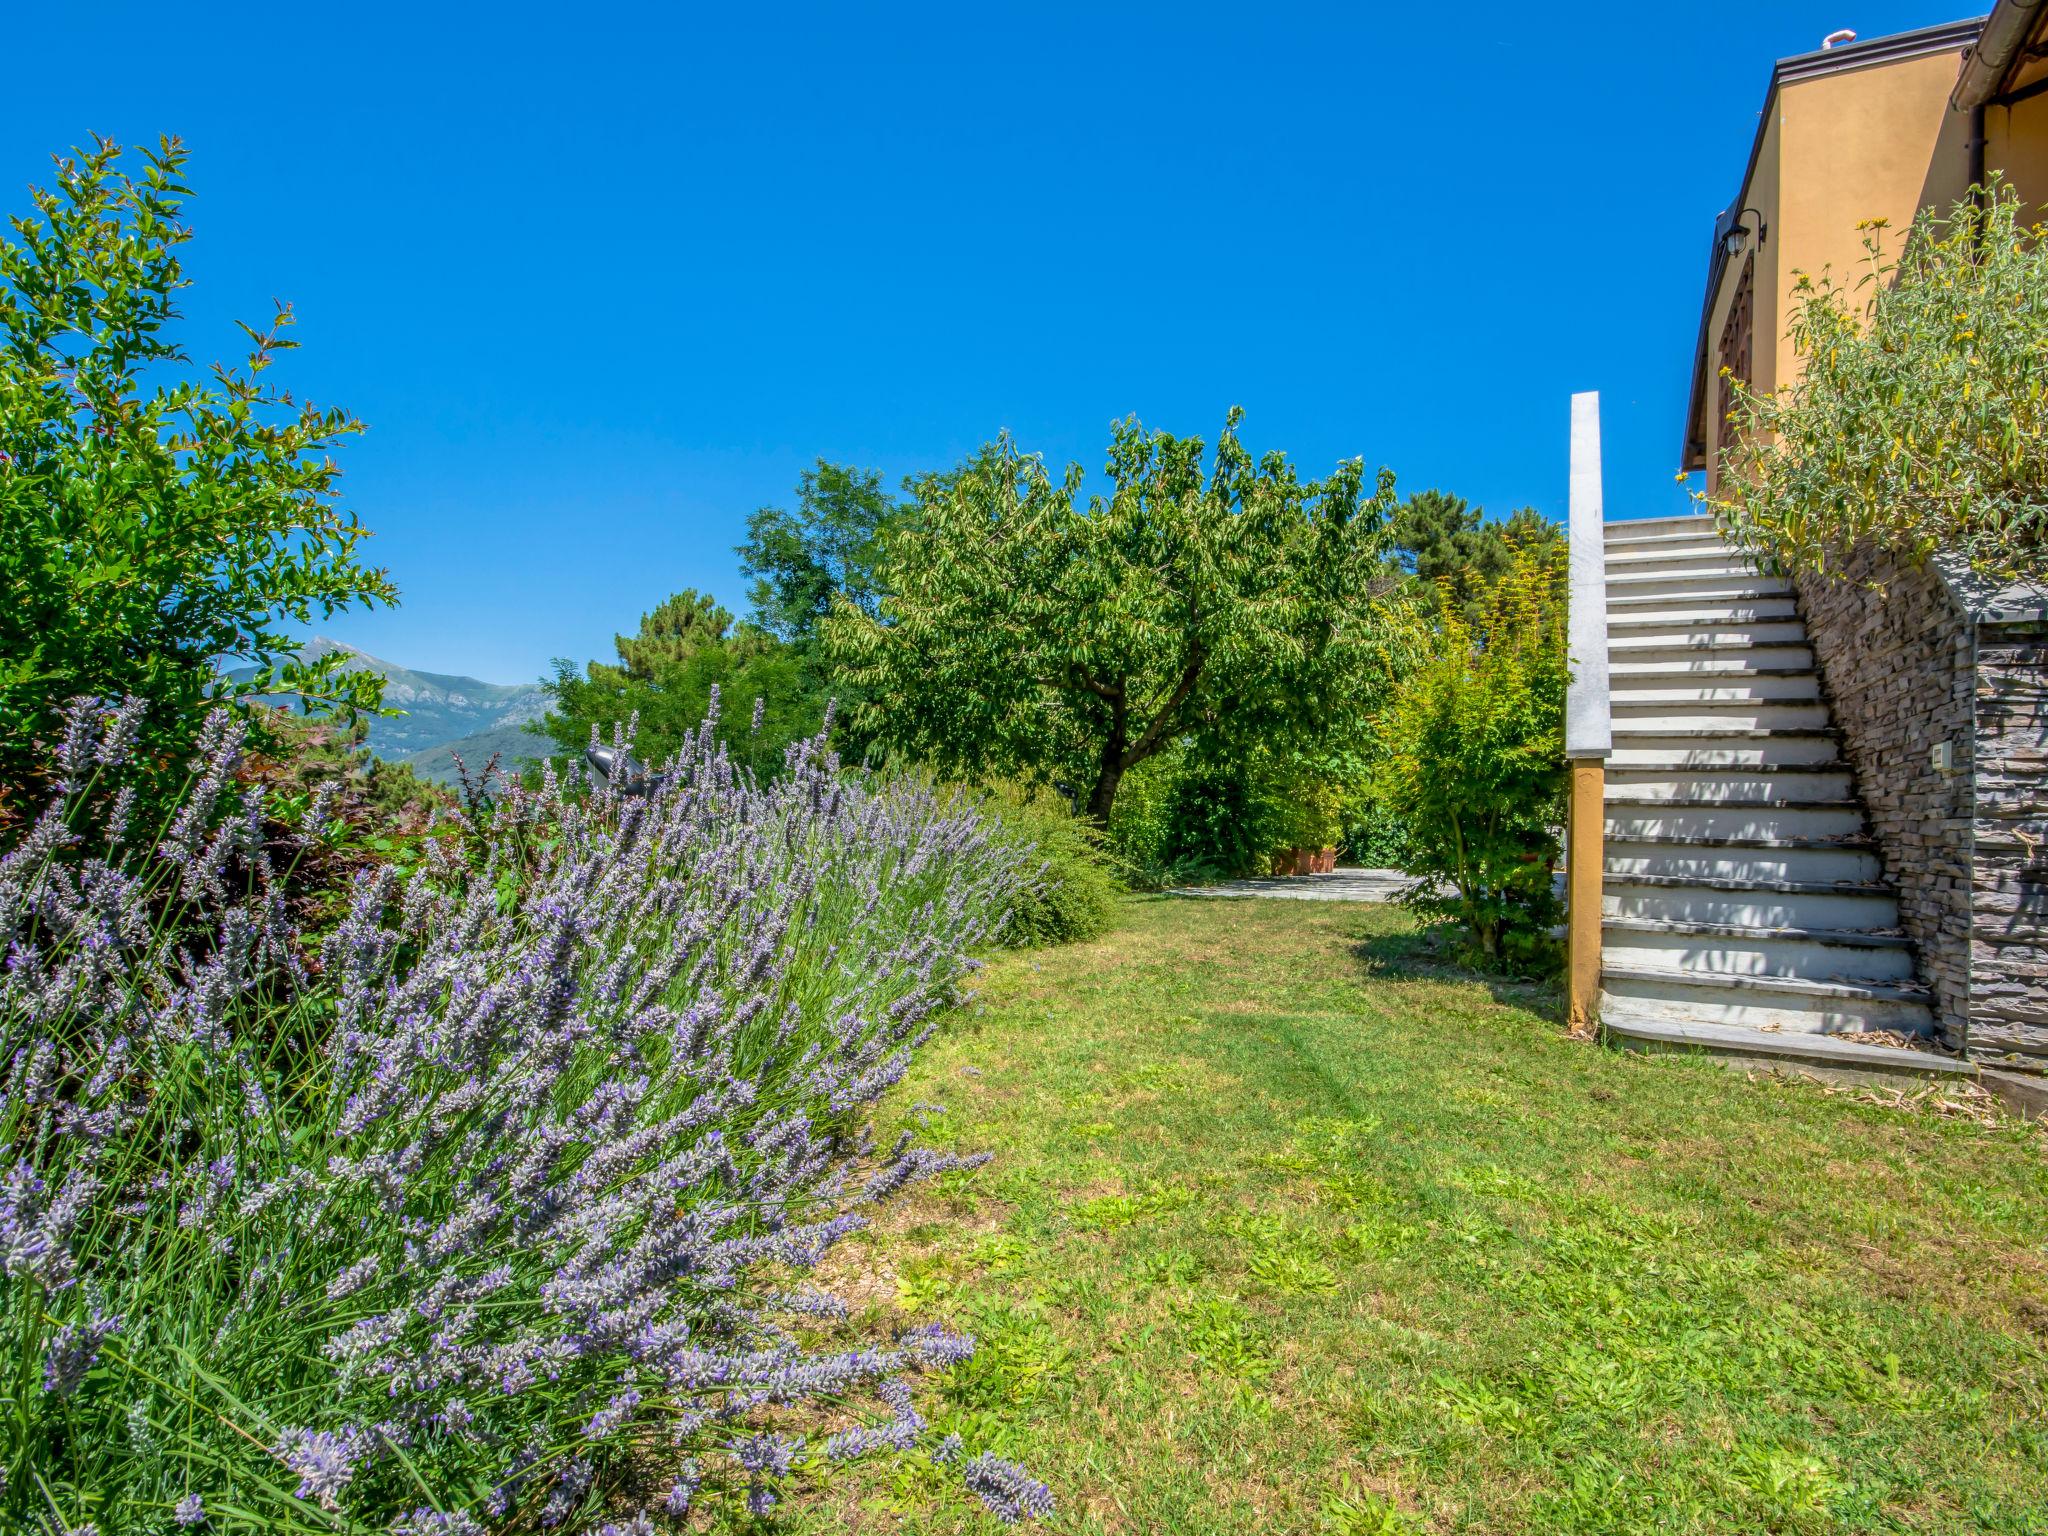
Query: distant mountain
{"type": "Point", "coordinates": [512, 744]}
{"type": "Point", "coordinates": [443, 713]}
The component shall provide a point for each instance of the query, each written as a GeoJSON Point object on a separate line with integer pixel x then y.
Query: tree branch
{"type": "Point", "coordinates": [1148, 742]}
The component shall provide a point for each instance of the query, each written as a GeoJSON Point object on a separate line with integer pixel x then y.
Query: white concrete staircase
{"type": "Point", "coordinates": [1743, 908]}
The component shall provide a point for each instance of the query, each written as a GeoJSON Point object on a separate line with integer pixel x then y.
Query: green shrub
{"type": "Point", "coordinates": [154, 517]}
{"type": "Point", "coordinates": [1073, 896]}
{"type": "Point", "coordinates": [1374, 835]}
{"type": "Point", "coordinates": [1919, 420]}
{"type": "Point", "coordinates": [1474, 767]}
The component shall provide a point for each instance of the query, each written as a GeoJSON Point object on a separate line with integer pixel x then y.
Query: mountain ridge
{"type": "Point", "coordinates": [444, 713]}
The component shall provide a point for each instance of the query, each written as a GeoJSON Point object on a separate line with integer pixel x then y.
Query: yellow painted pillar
{"type": "Point", "coordinates": [1584, 860]}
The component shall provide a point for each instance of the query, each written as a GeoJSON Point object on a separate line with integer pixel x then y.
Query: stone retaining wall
{"type": "Point", "coordinates": [1896, 671]}
{"type": "Point", "coordinates": [1911, 658]}
{"type": "Point", "coordinates": [2009, 959]}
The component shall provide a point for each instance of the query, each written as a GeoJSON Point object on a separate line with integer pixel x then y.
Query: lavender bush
{"type": "Point", "coordinates": [494, 1212]}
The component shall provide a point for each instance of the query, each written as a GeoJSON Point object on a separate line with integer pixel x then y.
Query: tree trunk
{"type": "Point", "coordinates": [1103, 796]}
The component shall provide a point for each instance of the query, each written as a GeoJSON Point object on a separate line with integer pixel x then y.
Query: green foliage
{"type": "Point", "coordinates": [1919, 420]}
{"type": "Point", "coordinates": [1474, 766]}
{"type": "Point", "coordinates": [1028, 634]}
{"type": "Point", "coordinates": [1073, 895]}
{"type": "Point", "coordinates": [665, 674]}
{"type": "Point", "coordinates": [155, 519]}
{"type": "Point", "coordinates": [827, 549]}
{"type": "Point", "coordinates": [1453, 553]}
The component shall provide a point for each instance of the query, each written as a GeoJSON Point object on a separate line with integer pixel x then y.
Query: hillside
{"type": "Point", "coordinates": [513, 745]}
{"type": "Point", "coordinates": [443, 714]}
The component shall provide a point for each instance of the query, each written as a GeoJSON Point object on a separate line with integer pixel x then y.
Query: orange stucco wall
{"type": "Point", "coordinates": [1877, 143]}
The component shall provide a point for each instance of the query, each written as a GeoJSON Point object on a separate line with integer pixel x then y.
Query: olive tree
{"type": "Point", "coordinates": [1029, 632]}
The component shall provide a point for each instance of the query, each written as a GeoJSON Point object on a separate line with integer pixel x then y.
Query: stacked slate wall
{"type": "Point", "coordinates": [1908, 660]}
{"type": "Point", "coordinates": [2009, 958]}
{"type": "Point", "coordinates": [1897, 674]}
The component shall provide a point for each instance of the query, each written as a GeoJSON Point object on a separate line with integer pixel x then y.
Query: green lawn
{"type": "Point", "coordinates": [1288, 1230]}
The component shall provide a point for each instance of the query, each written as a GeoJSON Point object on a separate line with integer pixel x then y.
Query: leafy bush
{"type": "Point", "coordinates": [1474, 768]}
{"type": "Point", "coordinates": [1069, 893]}
{"type": "Point", "coordinates": [153, 518]}
{"type": "Point", "coordinates": [1919, 420]}
{"type": "Point", "coordinates": [685, 652]}
{"type": "Point", "coordinates": [499, 1213]}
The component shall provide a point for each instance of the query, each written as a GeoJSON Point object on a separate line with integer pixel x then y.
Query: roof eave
{"type": "Point", "coordinates": [2000, 47]}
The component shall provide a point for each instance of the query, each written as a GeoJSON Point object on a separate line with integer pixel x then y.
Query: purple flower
{"type": "Point", "coordinates": [1006, 1489]}
{"type": "Point", "coordinates": [74, 1350]}
{"type": "Point", "coordinates": [323, 1459]}
{"type": "Point", "coordinates": [589, 1086]}
{"type": "Point", "coordinates": [190, 1510]}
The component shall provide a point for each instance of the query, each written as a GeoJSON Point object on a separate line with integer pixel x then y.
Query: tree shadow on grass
{"type": "Point", "coordinates": [1435, 952]}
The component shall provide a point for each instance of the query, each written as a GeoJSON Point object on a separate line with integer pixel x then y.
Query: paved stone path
{"type": "Point", "coordinates": [1339, 885]}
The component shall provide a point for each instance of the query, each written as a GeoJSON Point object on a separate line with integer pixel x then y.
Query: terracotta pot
{"type": "Point", "coordinates": [1283, 862]}
{"type": "Point", "coordinates": [1326, 861]}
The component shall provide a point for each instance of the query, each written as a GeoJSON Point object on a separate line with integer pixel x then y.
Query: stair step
{"type": "Point", "coordinates": [1825, 955]}
{"type": "Point", "coordinates": [1780, 912]}
{"type": "Point", "coordinates": [1821, 863]}
{"type": "Point", "coordinates": [1718, 716]}
{"type": "Point", "coordinates": [1845, 844]}
{"type": "Point", "coordinates": [1651, 527]}
{"type": "Point", "coordinates": [1735, 819]}
{"type": "Point", "coordinates": [1774, 887]}
{"type": "Point", "coordinates": [1853, 938]}
{"type": "Point", "coordinates": [1833, 1056]}
{"type": "Point", "coordinates": [1702, 633]}
{"type": "Point", "coordinates": [1713, 559]}
{"type": "Point", "coordinates": [1800, 784]}
{"type": "Point", "coordinates": [1709, 587]}
{"type": "Point", "coordinates": [1707, 537]}
{"type": "Point", "coordinates": [1766, 687]}
{"type": "Point", "coordinates": [1644, 754]}
{"type": "Point", "coordinates": [1626, 612]}
{"type": "Point", "coordinates": [1747, 661]}
{"type": "Point", "coordinates": [1695, 642]}
{"type": "Point", "coordinates": [1791, 986]}
{"type": "Point", "coordinates": [1734, 733]}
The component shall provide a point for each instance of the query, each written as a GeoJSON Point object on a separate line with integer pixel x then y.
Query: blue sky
{"type": "Point", "coordinates": [603, 279]}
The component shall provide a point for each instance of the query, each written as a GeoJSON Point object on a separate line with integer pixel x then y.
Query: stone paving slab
{"type": "Point", "coordinates": [1338, 885]}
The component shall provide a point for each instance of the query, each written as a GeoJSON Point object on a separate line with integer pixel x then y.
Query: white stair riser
{"type": "Point", "coordinates": [1706, 786]}
{"type": "Point", "coordinates": [1684, 634]}
{"type": "Point", "coordinates": [1807, 959]}
{"type": "Point", "coordinates": [1626, 692]}
{"type": "Point", "coordinates": [1696, 586]}
{"type": "Point", "coordinates": [1809, 866]}
{"type": "Point", "coordinates": [1656, 610]}
{"type": "Point", "coordinates": [1683, 565]}
{"type": "Point", "coordinates": [1775, 821]}
{"type": "Point", "coordinates": [1640, 555]}
{"type": "Point", "coordinates": [1752, 909]}
{"type": "Point", "coordinates": [1637, 592]}
{"type": "Point", "coordinates": [1730, 752]}
{"type": "Point", "coordinates": [1626, 1000]}
{"type": "Point", "coordinates": [1671, 716]}
{"type": "Point", "coordinates": [1679, 660]}
{"type": "Point", "coordinates": [1643, 527]}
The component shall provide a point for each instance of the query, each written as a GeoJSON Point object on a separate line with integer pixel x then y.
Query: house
{"type": "Point", "coordinates": [1853, 132]}
{"type": "Point", "coordinates": [1809, 817]}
